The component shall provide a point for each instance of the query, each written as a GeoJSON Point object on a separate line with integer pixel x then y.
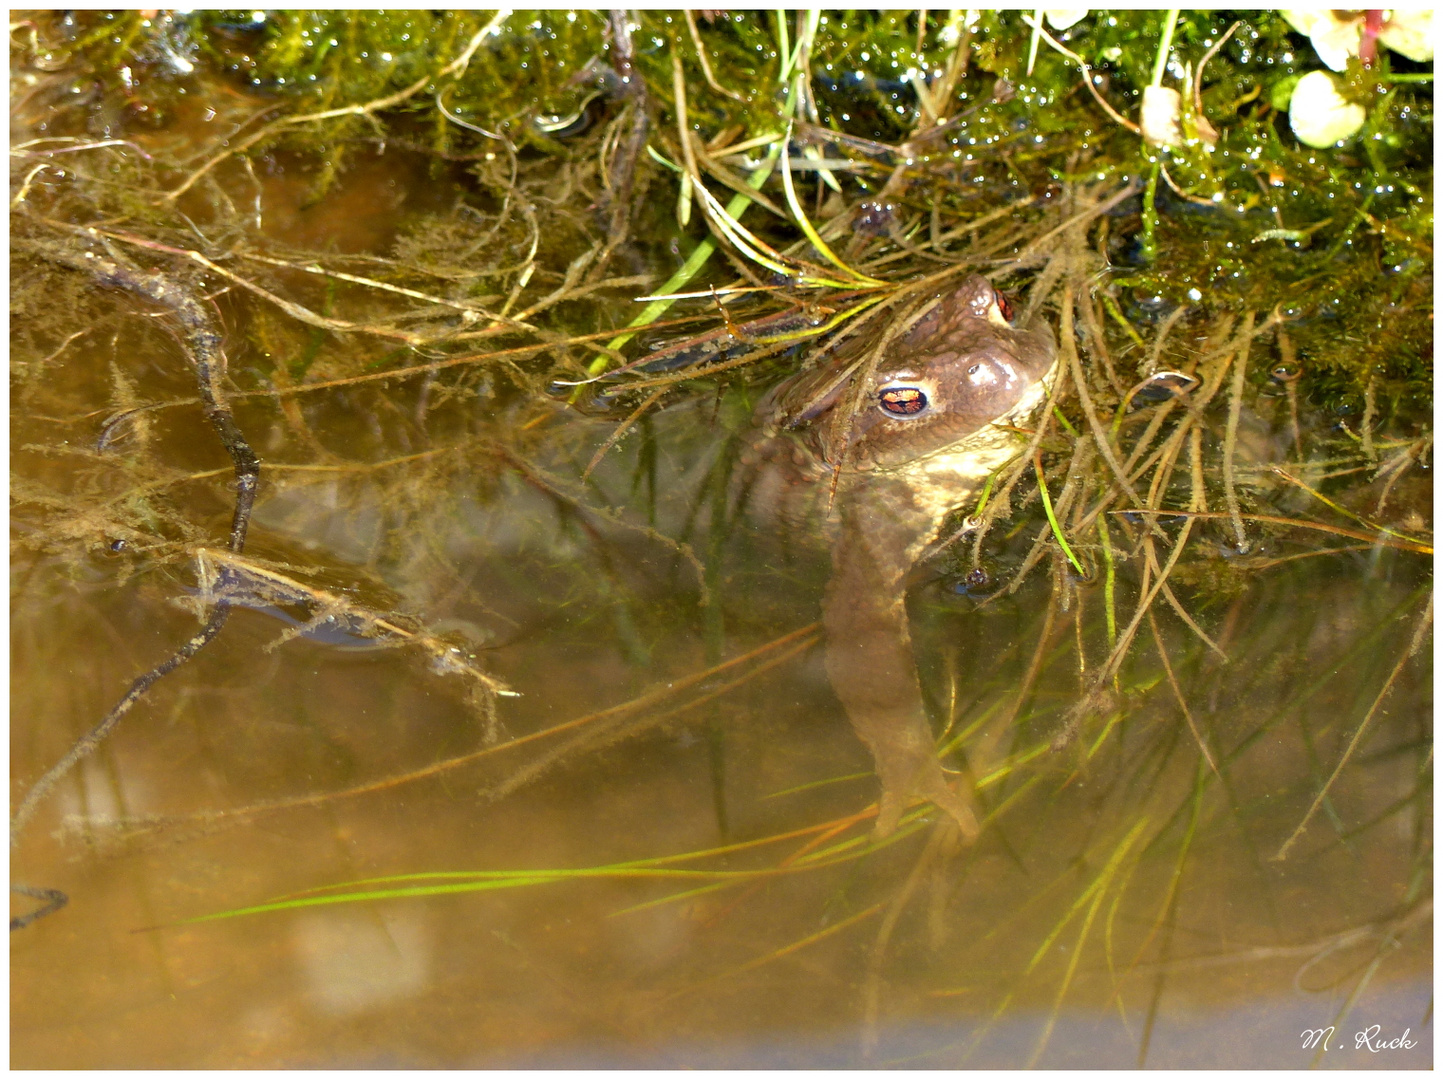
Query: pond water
{"type": "Point", "coordinates": [681, 873]}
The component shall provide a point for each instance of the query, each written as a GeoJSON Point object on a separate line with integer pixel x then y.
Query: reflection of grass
{"type": "Point", "coordinates": [1119, 920]}
{"type": "Point", "coordinates": [627, 719]}
{"type": "Point", "coordinates": [1171, 847]}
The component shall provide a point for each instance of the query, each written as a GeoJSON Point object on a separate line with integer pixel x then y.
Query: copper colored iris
{"type": "Point", "coordinates": [904, 401]}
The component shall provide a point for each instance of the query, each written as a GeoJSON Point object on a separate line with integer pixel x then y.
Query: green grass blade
{"type": "Point", "coordinates": [1052, 519]}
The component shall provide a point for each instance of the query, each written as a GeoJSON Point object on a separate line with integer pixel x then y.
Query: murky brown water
{"type": "Point", "coordinates": [1124, 904]}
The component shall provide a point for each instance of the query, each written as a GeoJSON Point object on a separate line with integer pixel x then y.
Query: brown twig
{"type": "Point", "coordinates": [202, 337]}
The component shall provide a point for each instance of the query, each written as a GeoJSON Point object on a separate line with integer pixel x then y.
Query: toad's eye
{"type": "Point", "coordinates": [1004, 306]}
{"type": "Point", "coordinates": [902, 400]}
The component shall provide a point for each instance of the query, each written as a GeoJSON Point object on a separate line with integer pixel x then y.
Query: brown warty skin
{"type": "Point", "coordinates": [923, 445]}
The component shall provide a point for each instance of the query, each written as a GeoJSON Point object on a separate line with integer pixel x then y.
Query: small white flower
{"type": "Point", "coordinates": [1062, 18]}
{"type": "Point", "coordinates": [1319, 114]}
{"type": "Point", "coordinates": [1337, 35]}
{"type": "Point", "coordinates": [1410, 33]}
{"type": "Point", "coordinates": [1334, 38]}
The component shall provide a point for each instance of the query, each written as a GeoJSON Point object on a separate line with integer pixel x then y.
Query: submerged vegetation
{"type": "Point", "coordinates": [388, 263]}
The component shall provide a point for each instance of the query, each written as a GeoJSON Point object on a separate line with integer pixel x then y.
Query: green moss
{"type": "Point", "coordinates": [1333, 237]}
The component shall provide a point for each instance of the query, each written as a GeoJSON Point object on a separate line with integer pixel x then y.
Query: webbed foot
{"type": "Point", "coordinates": [927, 783]}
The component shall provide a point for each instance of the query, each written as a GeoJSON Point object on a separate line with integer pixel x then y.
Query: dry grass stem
{"type": "Point", "coordinates": [1177, 693]}
{"type": "Point", "coordinates": [1235, 410]}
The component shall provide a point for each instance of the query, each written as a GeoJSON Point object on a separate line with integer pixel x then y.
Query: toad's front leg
{"type": "Point", "coordinates": [869, 658]}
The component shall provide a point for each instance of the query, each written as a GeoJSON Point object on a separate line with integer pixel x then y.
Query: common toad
{"type": "Point", "coordinates": [933, 427]}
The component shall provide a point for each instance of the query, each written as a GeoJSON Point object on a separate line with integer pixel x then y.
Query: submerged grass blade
{"type": "Point", "coordinates": [1013, 764]}
{"type": "Point", "coordinates": [1097, 886]}
{"type": "Point", "coordinates": [807, 636]}
{"type": "Point", "coordinates": [483, 883]}
{"type": "Point", "coordinates": [447, 882]}
{"type": "Point", "coordinates": [1425, 621]}
{"type": "Point", "coordinates": [1090, 897]}
{"type": "Point", "coordinates": [1166, 910]}
{"type": "Point", "coordinates": [814, 784]}
{"type": "Point", "coordinates": [810, 939]}
{"type": "Point", "coordinates": [1331, 504]}
{"type": "Point", "coordinates": [821, 834]}
{"type": "Point", "coordinates": [986, 493]}
{"type": "Point", "coordinates": [1109, 585]}
{"type": "Point", "coordinates": [1177, 693]}
{"type": "Point", "coordinates": [1066, 983]}
{"type": "Point", "coordinates": [1112, 722]}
